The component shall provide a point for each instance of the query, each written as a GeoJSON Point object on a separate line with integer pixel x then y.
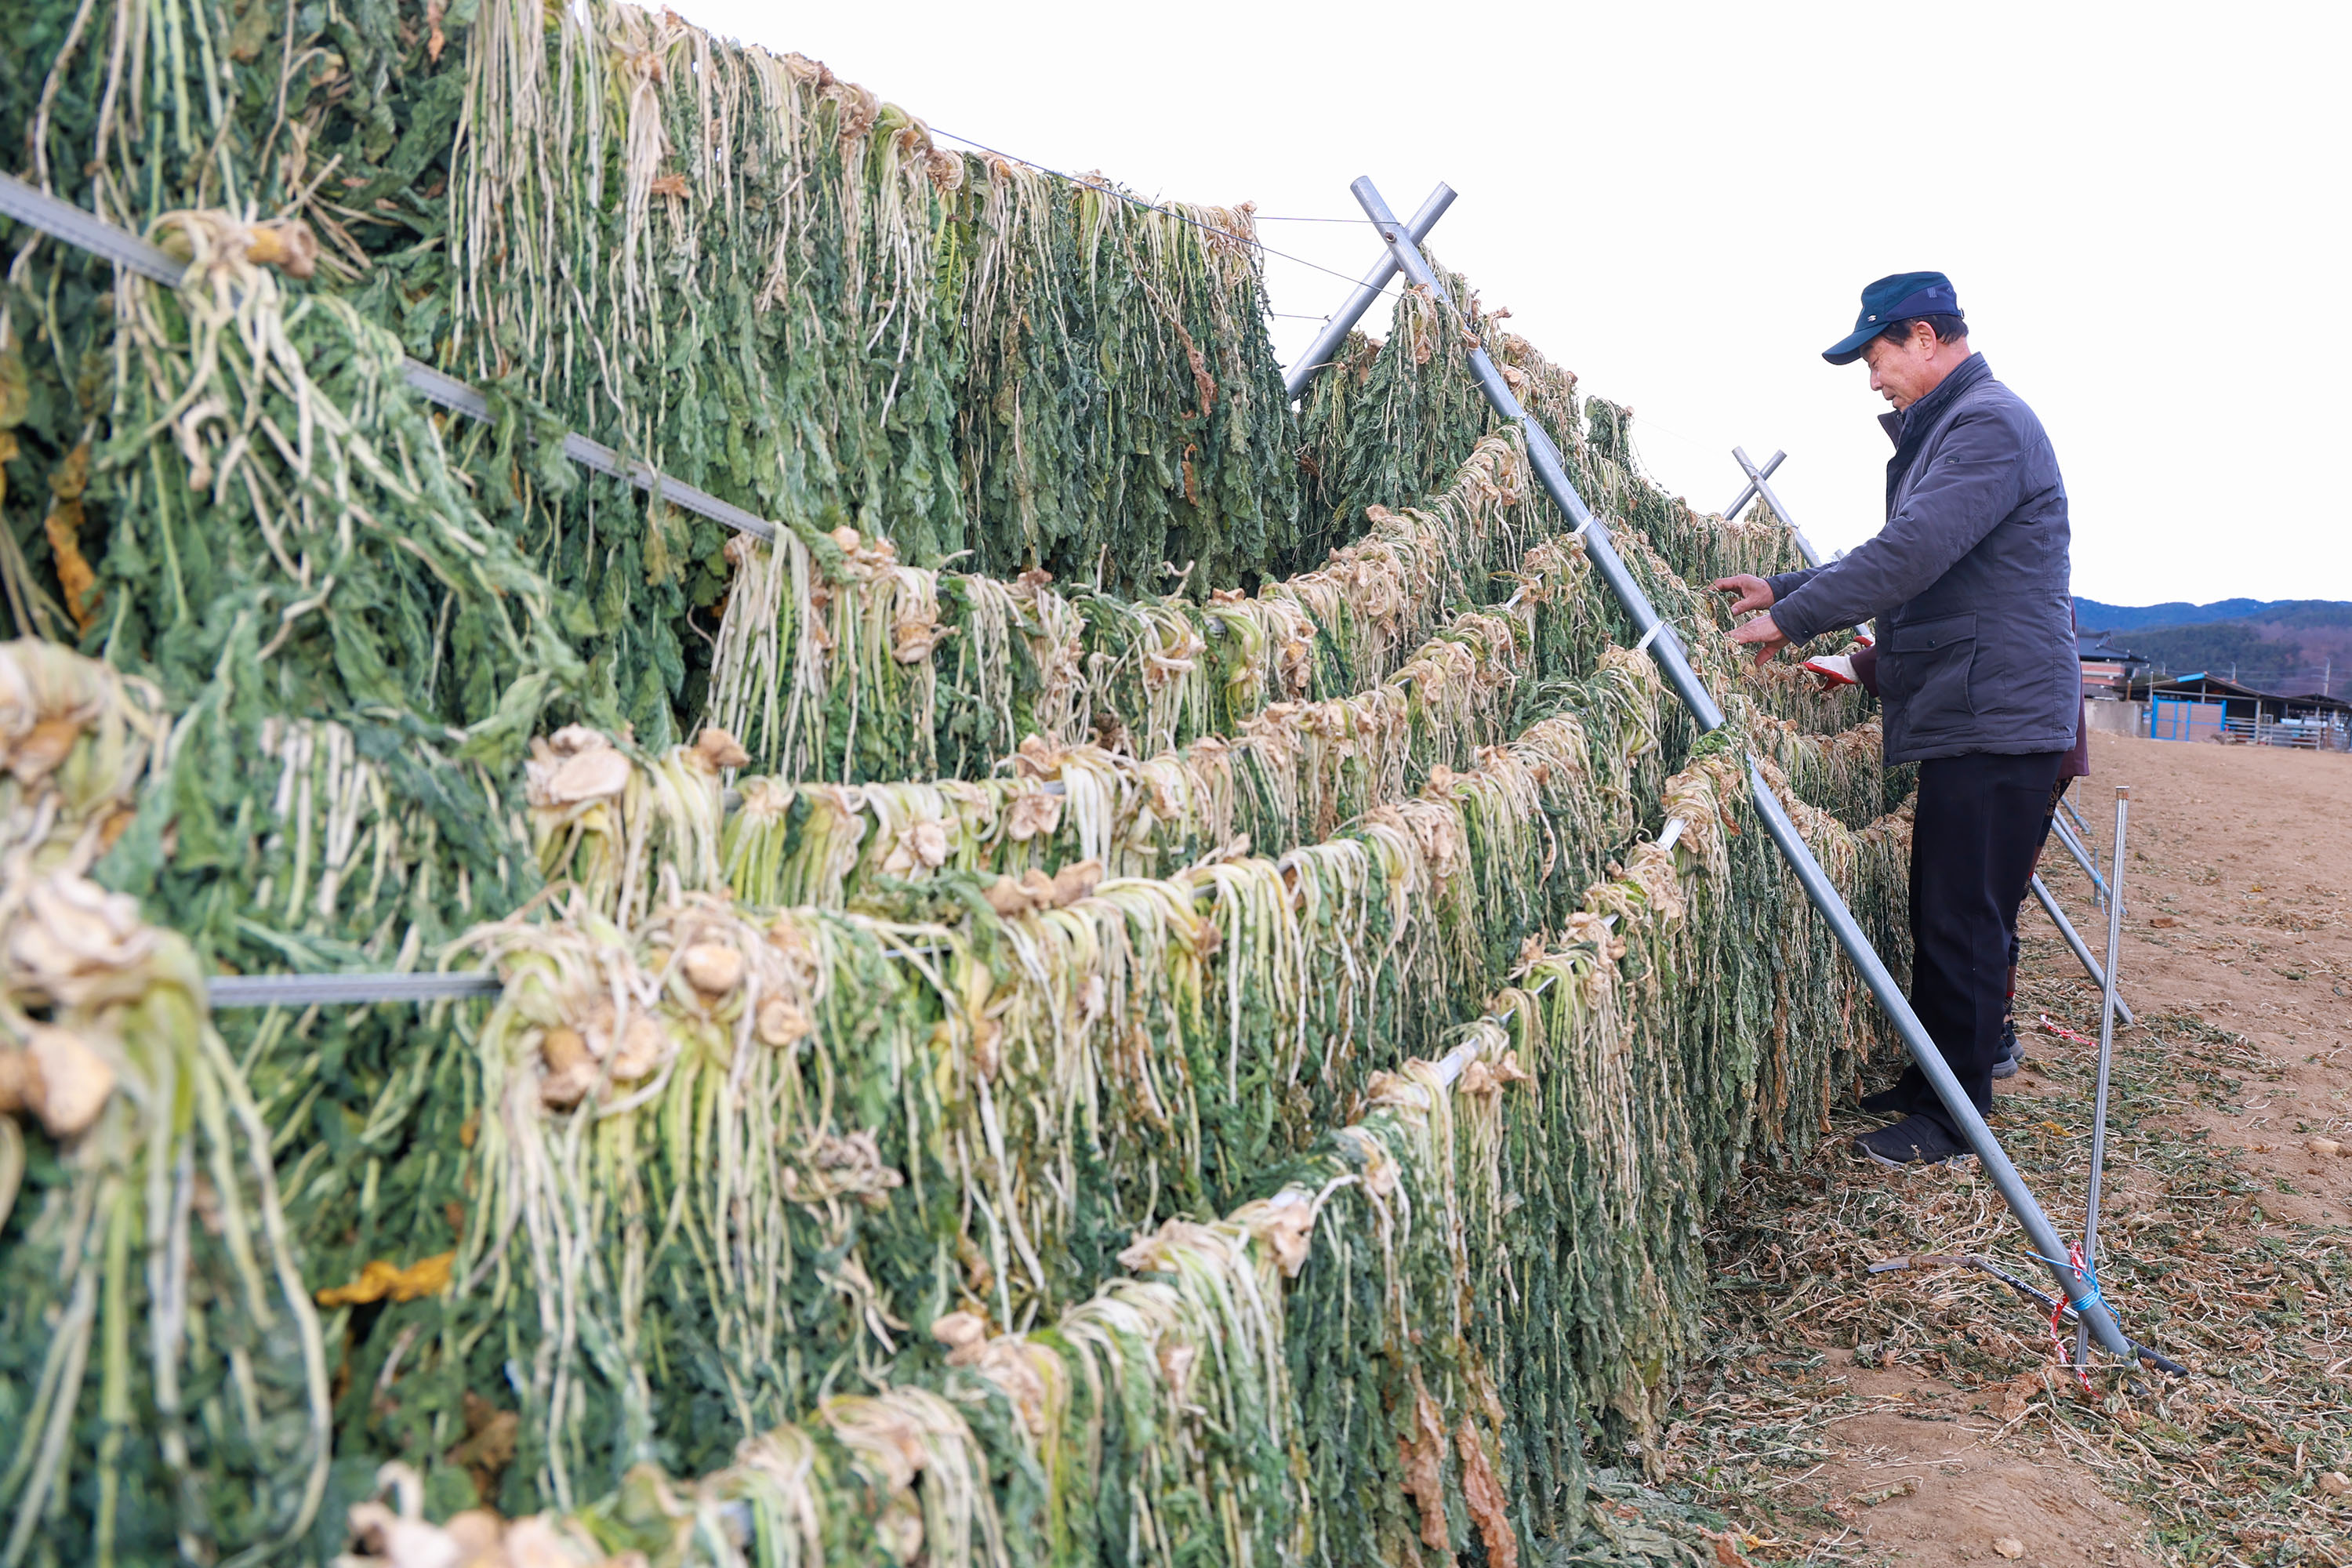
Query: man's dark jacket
{"type": "Point", "coordinates": [1969, 580]}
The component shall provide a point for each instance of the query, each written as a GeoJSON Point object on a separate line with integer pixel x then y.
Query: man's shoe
{"type": "Point", "coordinates": [1914, 1141]}
{"type": "Point", "coordinates": [2012, 1052]}
{"type": "Point", "coordinates": [1896, 1101]}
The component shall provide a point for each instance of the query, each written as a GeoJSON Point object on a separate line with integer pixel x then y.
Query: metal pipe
{"type": "Point", "coordinates": [1748, 491]}
{"type": "Point", "coordinates": [346, 990]}
{"type": "Point", "coordinates": [1812, 557]}
{"type": "Point", "coordinates": [2082, 858]}
{"type": "Point", "coordinates": [1667, 650]}
{"type": "Point", "coordinates": [2074, 939]}
{"type": "Point", "coordinates": [86, 231]}
{"type": "Point", "coordinates": [1343, 321]}
{"type": "Point", "coordinates": [1760, 478]}
{"type": "Point", "coordinates": [2106, 1055]}
{"type": "Point", "coordinates": [2069, 806]}
{"type": "Point", "coordinates": [61, 219]}
{"type": "Point", "coordinates": [2090, 965]}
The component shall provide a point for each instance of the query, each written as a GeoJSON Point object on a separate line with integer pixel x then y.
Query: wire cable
{"type": "Point", "coordinates": [1109, 189]}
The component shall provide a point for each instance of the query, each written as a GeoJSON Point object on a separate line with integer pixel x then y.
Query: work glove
{"type": "Point", "coordinates": [1856, 667]}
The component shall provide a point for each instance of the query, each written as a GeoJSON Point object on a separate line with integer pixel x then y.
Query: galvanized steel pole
{"type": "Point", "coordinates": [1748, 491]}
{"type": "Point", "coordinates": [1760, 479]}
{"type": "Point", "coordinates": [2074, 939]}
{"type": "Point", "coordinates": [1343, 321]}
{"type": "Point", "coordinates": [2082, 858]}
{"type": "Point", "coordinates": [2106, 1056]}
{"type": "Point", "coordinates": [1668, 650]}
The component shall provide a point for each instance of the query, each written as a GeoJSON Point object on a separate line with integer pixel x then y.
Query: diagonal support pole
{"type": "Point", "coordinates": [2083, 857]}
{"type": "Point", "coordinates": [1334, 334]}
{"type": "Point", "coordinates": [1667, 650]}
{"type": "Point", "coordinates": [2074, 939]}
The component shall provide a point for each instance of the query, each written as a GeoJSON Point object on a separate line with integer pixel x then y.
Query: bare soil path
{"type": "Point", "coordinates": [1920, 1415]}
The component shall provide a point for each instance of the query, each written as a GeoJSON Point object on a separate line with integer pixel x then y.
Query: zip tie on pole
{"type": "Point", "coordinates": [1649, 637]}
{"type": "Point", "coordinates": [86, 231]}
{"type": "Point", "coordinates": [2079, 1306]}
{"type": "Point", "coordinates": [2085, 1269]}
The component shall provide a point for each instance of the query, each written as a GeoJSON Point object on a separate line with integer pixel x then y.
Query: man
{"type": "Point", "coordinates": [1969, 581]}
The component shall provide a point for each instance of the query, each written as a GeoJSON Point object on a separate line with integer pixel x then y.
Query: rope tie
{"type": "Point", "coordinates": [2084, 1271]}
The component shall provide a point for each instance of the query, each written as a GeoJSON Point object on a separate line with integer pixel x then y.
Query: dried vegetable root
{"type": "Point", "coordinates": [167, 1378]}
{"type": "Point", "coordinates": [834, 1127]}
{"type": "Point", "coordinates": [1296, 771]}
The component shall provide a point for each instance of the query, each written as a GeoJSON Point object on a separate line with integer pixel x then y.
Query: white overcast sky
{"type": "Point", "coordinates": [2143, 208]}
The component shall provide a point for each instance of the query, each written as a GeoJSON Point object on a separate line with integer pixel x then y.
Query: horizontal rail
{"type": "Point", "coordinates": [347, 990]}
{"type": "Point", "coordinates": [86, 231]}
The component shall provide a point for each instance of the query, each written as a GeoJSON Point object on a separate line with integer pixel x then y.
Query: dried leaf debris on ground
{"type": "Point", "coordinates": [1920, 1415]}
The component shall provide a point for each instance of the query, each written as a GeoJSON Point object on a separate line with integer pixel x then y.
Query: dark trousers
{"type": "Point", "coordinates": [1978, 832]}
{"type": "Point", "coordinates": [2040, 841]}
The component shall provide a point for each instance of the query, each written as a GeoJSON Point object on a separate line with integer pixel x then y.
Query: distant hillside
{"type": "Point", "coordinates": [2284, 612]}
{"type": "Point", "coordinates": [2277, 645]}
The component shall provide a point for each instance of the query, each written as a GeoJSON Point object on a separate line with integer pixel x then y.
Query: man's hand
{"type": "Point", "coordinates": [1755, 593]}
{"type": "Point", "coordinates": [1765, 636]}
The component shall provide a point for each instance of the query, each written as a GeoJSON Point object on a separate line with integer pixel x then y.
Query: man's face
{"type": "Point", "coordinates": [1903, 372]}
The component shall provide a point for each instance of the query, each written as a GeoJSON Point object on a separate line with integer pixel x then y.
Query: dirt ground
{"type": "Point", "coordinates": [1919, 1415]}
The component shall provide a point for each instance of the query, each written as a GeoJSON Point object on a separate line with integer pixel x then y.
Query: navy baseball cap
{"type": "Point", "coordinates": [1891, 300]}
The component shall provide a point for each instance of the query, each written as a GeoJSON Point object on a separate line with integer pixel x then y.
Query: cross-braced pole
{"type": "Point", "coordinates": [1760, 482]}
{"type": "Point", "coordinates": [1343, 321]}
{"type": "Point", "coordinates": [1748, 491]}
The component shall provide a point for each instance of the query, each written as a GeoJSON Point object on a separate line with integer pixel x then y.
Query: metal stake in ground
{"type": "Point", "coordinates": [1667, 650]}
{"type": "Point", "coordinates": [2106, 1055]}
{"type": "Point", "coordinates": [1343, 321]}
